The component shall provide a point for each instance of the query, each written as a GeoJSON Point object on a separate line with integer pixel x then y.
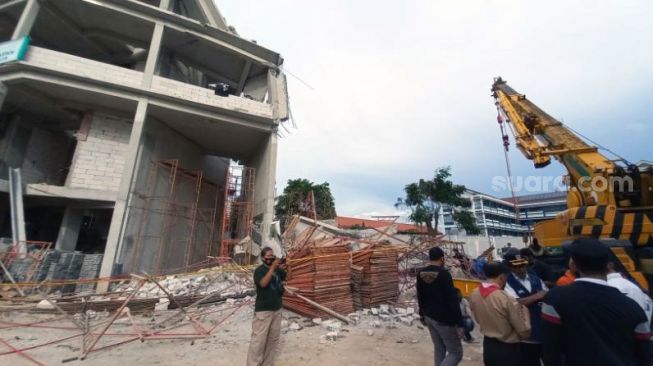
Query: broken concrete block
{"type": "Point", "coordinates": [295, 326]}
{"type": "Point", "coordinates": [401, 311]}
{"type": "Point", "coordinates": [384, 317]}
{"type": "Point", "coordinates": [370, 332]}
{"type": "Point", "coordinates": [374, 311]}
{"type": "Point", "coordinates": [317, 321]}
{"type": "Point", "coordinates": [384, 309]}
{"type": "Point", "coordinates": [391, 325]}
{"type": "Point", "coordinates": [332, 325]}
{"type": "Point", "coordinates": [44, 304]}
{"type": "Point", "coordinates": [162, 304]}
{"type": "Point", "coordinates": [284, 323]}
{"type": "Point", "coordinates": [376, 324]}
{"type": "Point", "coordinates": [332, 336]}
{"type": "Point", "coordinates": [407, 321]}
{"type": "Point", "coordinates": [410, 311]}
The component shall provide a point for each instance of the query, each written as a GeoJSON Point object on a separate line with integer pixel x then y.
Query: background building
{"type": "Point", "coordinates": [498, 216]}
{"type": "Point", "coordinates": [124, 117]}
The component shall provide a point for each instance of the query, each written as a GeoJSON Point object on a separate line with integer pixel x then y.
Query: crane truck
{"type": "Point", "coordinates": [611, 200]}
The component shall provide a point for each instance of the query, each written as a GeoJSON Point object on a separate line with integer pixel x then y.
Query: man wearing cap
{"type": "Point", "coordinates": [590, 322]}
{"type": "Point", "coordinates": [503, 321]}
{"type": "Point", "coordinates": [440, 310]}
{"type": "Point", "coordinates": [529, 290]}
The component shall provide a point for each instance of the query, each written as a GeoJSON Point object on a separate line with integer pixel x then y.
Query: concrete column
{"type": "Point", "coordinates": [69, 230]}
{"type": "Point", "coordinates": [27, 18]}
{"type": "Point", "coordinates": [120, 214]}
{"type": "Point", "coordinates": [3, 94]}
{"type": "Point", "coordinates": [265, 164]}
{"type": "Point", "coordinates": [132, 165]}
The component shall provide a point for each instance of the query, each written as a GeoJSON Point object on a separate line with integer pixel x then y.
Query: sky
{"type": "Point", "coordinates": [398, 89]}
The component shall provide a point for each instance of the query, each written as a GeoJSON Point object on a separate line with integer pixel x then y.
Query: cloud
{"type": "Point", "coordinates": [402, 88]}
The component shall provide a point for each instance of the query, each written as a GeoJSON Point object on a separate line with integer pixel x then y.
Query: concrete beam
{"type": "Point", "coordinates": [243, 76]}
{"type": "Point", "coordinates": [69, 230]}
{"type": "Point", "coordinates": [277, 87]}
{"type": "Point", "coordinates": [6, 6]}
{"type": "Point", "coordinates": [26, 20]}
{"type": "Point", "coordinates": [212, 14]}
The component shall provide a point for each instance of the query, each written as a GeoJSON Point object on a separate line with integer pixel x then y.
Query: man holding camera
{"type": "Point", "coordinates": [266, 325]}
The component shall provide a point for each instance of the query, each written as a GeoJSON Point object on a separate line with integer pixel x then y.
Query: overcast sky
{"type": "Point", "coordinates": [401, 88]}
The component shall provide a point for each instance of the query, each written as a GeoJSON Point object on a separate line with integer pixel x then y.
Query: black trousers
{"type": "Point", "coordinates": [531, 354]}
{"type": "Point", "coordinates": [497, 353]}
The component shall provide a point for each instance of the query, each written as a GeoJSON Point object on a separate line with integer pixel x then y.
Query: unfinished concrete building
{"type": "Point", "coordinates": [123, 117]}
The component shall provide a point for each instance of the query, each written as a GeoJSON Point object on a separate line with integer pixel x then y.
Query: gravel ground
{"type": "Point", "coordinates": [372, 341]}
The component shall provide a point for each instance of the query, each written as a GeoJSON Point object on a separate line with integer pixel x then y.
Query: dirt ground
{"type": "Point", "coordinates": [228, 343]}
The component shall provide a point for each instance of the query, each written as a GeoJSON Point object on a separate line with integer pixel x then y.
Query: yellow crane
{"type": "Point", "coordinates": [608, 199]}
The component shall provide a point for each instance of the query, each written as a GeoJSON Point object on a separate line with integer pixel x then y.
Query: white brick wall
{"type": "Point", "coordinates": [206, 96]}
{"type": "Point", "coordinates": [99, 161]}
{"type": "Point", "coordinates": [64, 62]}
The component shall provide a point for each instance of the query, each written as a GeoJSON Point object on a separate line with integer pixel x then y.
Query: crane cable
{"type": "Point", "coordinates": [506, 144]}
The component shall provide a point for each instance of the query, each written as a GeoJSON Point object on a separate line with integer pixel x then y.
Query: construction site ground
{"type": "Point", "coordinates": [365, 343]}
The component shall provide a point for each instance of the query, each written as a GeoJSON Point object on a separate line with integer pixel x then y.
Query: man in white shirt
{"type": "Point", "coordinates": [616, 280]}
{"type": "Point", "coordinates": [529, 290]}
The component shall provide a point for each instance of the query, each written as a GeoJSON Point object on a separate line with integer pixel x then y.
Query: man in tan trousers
{"type": "Point", "coordinates": [266, 325]}
{"type": "Point", "coordinates": [503, 321]}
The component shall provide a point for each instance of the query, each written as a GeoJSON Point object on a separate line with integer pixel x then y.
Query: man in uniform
{"type": "Point", "coordinates": [529, 290]}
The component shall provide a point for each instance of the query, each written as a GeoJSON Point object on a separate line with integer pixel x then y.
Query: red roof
{"type": "Point", "coordinates": [349, 222]}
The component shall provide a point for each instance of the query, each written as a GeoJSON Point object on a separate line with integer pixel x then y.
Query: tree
{"type": "Point", "coordinates": [426, 197]}
{"type": "Point", "coordinates": [294, 196]}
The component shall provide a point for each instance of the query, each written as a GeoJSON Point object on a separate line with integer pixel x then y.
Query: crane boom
{"type": "Point", "coordinates": [611, 200]}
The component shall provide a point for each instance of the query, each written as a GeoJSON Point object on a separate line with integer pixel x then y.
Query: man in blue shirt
{"type": "Point", "coordinates": [529, 290]}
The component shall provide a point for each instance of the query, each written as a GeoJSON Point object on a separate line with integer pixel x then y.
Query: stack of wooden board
{"type": "Point", "coordinates": [380, 279]}
{"type": "Point", "coordinates": [321, 274]}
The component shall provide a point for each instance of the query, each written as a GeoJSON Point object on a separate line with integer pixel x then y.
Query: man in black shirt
{"type": "Point", "coordinates": [266, 326]}
{"type": "Point", "coordinates": [440, 310]}
{"type": "Point", "coordinates": [589, 322]}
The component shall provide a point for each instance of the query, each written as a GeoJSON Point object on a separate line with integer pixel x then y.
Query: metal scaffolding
{"type": "Point", "coordinates": [238, 208]}
{"type": "Point", "coordinates": [177, 230]}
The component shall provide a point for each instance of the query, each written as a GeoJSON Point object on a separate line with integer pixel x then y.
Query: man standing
{"type": "Point", "coordinates": [440, 310]}
{"type": "Point", "coordinates": [634, 292]}
{"type": "Point", "coordinates": [590, 322]}
{"type": "Point", "coordinates": [529, 290]}
{"type": "Point", "coordinates": [503, 321]}
{"type": "Point", "coordinates": [266, 325]}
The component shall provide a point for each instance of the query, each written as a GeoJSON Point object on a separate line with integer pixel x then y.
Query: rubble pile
{"type": "Point", "coordinates": [199, 283]}
{"type": "Point", "coordinates": [323, 275]}
{"type": "Point", "coordinates": [374, 319]}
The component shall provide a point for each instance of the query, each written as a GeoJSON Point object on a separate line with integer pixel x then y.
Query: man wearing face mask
{"type": "Point", "coordinates": [503, 321]}
{"type": "Point", "coordinates": [266, 325]}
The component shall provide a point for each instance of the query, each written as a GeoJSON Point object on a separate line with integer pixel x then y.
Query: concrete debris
{"type": "Point", "coordinates": [331, 325]}
{"type": "Point", "coordinates": [332, 336]}
{"type": "Point", "coordinates": [317, 321]}
{"type": "Point", "coordinates": [407, 321]}
{"type": "Point", "coordinates": [162, 305]}
{"type": "Point", "coordinates": [295, 326]}
{"type": "Point", "coordinates": [44, 305]}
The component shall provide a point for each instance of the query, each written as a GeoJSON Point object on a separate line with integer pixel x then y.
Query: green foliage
{"type": "Point", "coordinates": [426, 197]}
{"type": "Point", "coordinates": [292, 201]}
{"type": "Point", "coordinates": [466, 220]}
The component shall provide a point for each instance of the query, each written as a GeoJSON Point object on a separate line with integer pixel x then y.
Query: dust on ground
{"type": "Point", "coordinates": [370, 342]}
